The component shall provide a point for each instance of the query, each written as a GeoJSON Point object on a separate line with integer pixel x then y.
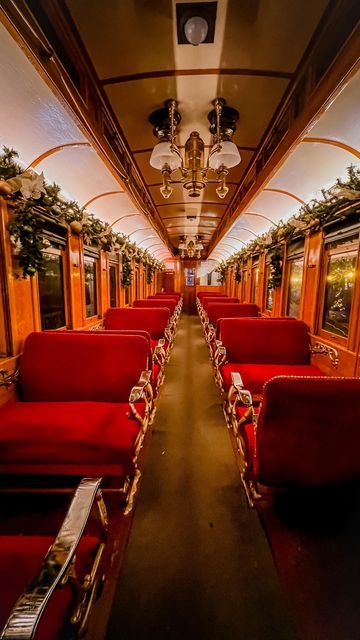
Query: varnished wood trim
{"type": "Point", "coordinates": [286, 193]}
{"type": "Point", "coordinates": [174, 73]}
{"type": "Point", "coordinates": [60, 147]}
{"type": "Point", "coordinates": [102, 195]}
{"type": "Point", "coordinates": [159, 184]}
{"type": "Point", "coordinates": [335, 143]}
{"type": "Point", "coordinates": [182, 203]}
{"type": "Point", "coordinates": [201, 217]}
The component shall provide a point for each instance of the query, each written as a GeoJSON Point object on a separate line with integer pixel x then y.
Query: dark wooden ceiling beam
{"type": "Point", "coordinates": [182, 146]}
{"type": "Point", "coordinates": [174, 73]}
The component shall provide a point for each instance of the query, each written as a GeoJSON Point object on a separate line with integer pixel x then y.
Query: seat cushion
{"type": "Point", "coordinates": [254, 376]}
{"type": "Point", "coordinates": [62, 433]}
{"type": "Point", "coordinates": [20, 560]}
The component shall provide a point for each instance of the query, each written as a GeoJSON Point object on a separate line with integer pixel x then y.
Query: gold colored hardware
{"type": "Point", "coordinates": [322, 349]}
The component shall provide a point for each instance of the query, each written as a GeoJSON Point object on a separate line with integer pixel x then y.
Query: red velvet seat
{"type": "Point", "coordinates": [82, 438]}
{"type": "Point", "coordinates": [212, 300]}
{"type": "Point", "coordinates": [259, 348]}
{"type": "Point", "coordinates": [163, 303]}
{"type": "Point", "coordinates": [154, 321]}
{"type": "Point", "coordinates": [73, 418]}
{"type": "Point", "coordinates": [176, 296]}
{"type": "Point", "coordinates": [307, 433]}
{"type": "Point", "coordinates": [217, 310]}
{"type": "Point", "coordinates": [209, 294]}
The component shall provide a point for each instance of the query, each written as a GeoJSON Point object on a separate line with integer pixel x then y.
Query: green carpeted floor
{"type": "Point", "coordinates": [198, 564]}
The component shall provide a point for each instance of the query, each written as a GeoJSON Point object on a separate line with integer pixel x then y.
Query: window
{"type": "Point", "coordinates": [254, 282]}
{"type": "Point", "coordinates": [296, 268]}
{"type": "Point", "coordinates": [137, 282]}
{"type": "Point", "coordinates": [243, 285]}
{"type": "Point", "coordinates": [339, 285]}
{"type": "Point", "coordinates": [113, 285]}
{"type": "Point", "coordinates": [51, 290]}
{"type": "Point", "coordinates": [189, 277]}
{"type": "Point", "coordinates": [268, 292]}
{"type": "Point", "coordinates": [90, 286]}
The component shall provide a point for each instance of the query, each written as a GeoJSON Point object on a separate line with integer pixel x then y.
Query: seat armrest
{"type": "Point", "coordinates": [237, 381]}
{"type": "Point", "coordinates": [161, 342]}
{"type": "Point", "coordinates": [97, 327]}
{"type": "Point", "coordinates": [142, 391]}
{"type": "Point", "coordinates": [220, 355]}
{"type": "Point", "coordinates": [159, 355]}
{"type": "Point", "coordinates": [319, 348]}
{"type": "Point", "coordinates": [7, 378]}
{"type": "Point", "coordinates": [57, 564]}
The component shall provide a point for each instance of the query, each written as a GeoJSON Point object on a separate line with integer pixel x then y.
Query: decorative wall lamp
{"type": "Point", "coordinates": [166, 155]}
{"type": "Point", "coordinates": [190, 247]}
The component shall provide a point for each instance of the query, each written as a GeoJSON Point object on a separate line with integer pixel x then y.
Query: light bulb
{"type": "Point", "coordinates": [166, 191]}
{"type": "Point", "coordinates": [196, 30]}
{"type": "Point", "coordinates": [222, 191]}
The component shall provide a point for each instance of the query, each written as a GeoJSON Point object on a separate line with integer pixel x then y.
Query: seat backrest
{"type": "Point", "coordinates": [119, 332]}
{"type": "Point", "coordinates": [308, 432]}
{"type": "Point", "coordinates": [206, 301]}
{"type": "Point", "coordinates": [59, 367]}
{"type": "Point", "coordinates": [154, 321]}
{"type": "Point", "coordinates": [167, 294]}
{"type": "Point", "coordinates": [217, 310]}
{"type": "Point", "coordinates": [167, 303]}
{"type": "Point", "coordinates": [209, 294]}
{"type": "Point", "coordinates": [170, 296]}
{"type": "Point", "coordinates": [265, 341]}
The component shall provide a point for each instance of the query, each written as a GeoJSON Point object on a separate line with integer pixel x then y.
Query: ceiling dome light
{"type": "Point", "coordinates": [162, 154]}
{"type": "Point", "coordinates": [196, 30]}
{"type": "Point", "coordinates": [226, 154]}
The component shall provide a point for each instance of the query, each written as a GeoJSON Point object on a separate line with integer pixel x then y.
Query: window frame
{"type": "Point", "coordinates": [349, 341]}
{"type": "Point", "coordinates": [265, 292]}
{"type": "Point", "coordinates": [254, 291]}
{"type": "Point", "coordinates": [289, 262]}
{"type": "Point", "coordinates": [94, 257]}
{"type": "Point", "coordinates": [114, 265]}
{"type": "Point", "coordinates": [59, 250]}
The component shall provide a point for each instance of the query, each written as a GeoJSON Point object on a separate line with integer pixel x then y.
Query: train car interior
{"type": "Point", "coordinates": [179, 320]}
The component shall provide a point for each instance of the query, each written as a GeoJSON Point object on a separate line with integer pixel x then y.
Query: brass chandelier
{"type": "Point", "coordinates": [190, 247]}
{"type": "Point", "coordinates": [167, 158]}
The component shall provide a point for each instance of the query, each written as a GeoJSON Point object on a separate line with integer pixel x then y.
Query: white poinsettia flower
{"type": "Point", "coordinates": [30, 184]}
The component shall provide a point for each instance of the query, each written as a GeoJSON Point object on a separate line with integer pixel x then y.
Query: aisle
{"type": "Point", "coordinates": [197, 564]}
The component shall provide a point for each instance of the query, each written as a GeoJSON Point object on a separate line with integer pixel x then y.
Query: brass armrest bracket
{"type": "Point", "coordinates": [319, 348]}
{"type": "Point", "coordinates": [57, 563]}
{"type": "Point", "coordinates": [97, 327]}
{"type": "Point", "coordinates": [7, 379]}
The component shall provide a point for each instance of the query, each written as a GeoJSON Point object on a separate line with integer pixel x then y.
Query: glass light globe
{"type": "Point", "coordinates": [228, 155]}
{"type": "Point", "coordinates": [162, 154]}
{"type": "Point", "coordinates": [196, 30]}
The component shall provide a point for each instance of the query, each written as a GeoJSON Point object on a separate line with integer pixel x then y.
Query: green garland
{"type": "Point", "coordinates": [237, 274]}
{"type": "Point", "coordinates": [127, 272]}
{"type": "Point", "coordinates": [150, 274]}
{"type": "Point", "coordinates": [339, 202]}
{"type": "Point", "coordinates": [27, 228]}
{"type": "Point", "coordinates": [222, 270]}
{"type": "Point", "coordinates": [275, 278]}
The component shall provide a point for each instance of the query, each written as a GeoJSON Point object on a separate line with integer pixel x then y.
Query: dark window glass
{"type": "Point", "coordinates": [112, 278]}
{"type": "Point", "coordinates": [294, 288]}
{"type": "Point", "coordinates": [340, 281]}
{"type": "Point", "coordinates": [90, 287]}
{"type": "Point", "coordinates": [189, 277]}
{"type": "Point", "coordinates": [51, 291]}
{"type": "Point", "coordinates": [254, 284]}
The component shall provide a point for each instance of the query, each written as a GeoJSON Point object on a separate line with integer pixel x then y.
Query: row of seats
{"type": "Point", "coordinates": [295, 427]}
{"type": "Point", "coordinates": [83, 405]}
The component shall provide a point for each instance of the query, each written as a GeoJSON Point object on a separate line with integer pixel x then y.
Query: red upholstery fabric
{"type": "Point", "coordinates": [64, 433]}
{"type": "Point", "coordinates": [255, 375]}
{"type": "Point", "coordinates": [308, 432]}
{"type": "Point", "coordinates": [163, 303]}
{"type": "Point", "coordinates": [20, 560]}
{"type": "Point", "coordinates": [168, 294]}
{"type": "Point", "coordinates": [154, 321]}
{"type": "Point", "coordinates": [217, 310]}
{"type": "Point", "coordinates": [160, 296]}
{"type": "Point", "coordinates": [261, 341]}
{"type": "Point", "coordinates": [121, 332]}
{"type": "Point", "coordinates": [206, 301]}
{"type": "Point", "coordinates": [155, 375]}
{"type": "Point", "coordinates": [209, 294]}
{"type": "Point", "coordinates": [57, 367]}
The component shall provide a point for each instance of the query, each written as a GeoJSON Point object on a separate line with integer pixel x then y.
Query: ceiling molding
{"type": "Point", "coordinates": [101, 195]}
{"type": "Point", "coordinates": [191, 204]}
{"type": "Point", "coordinates": [286, 193]}
{"type": "Point", "coordinates": [237, 239]}
{"type": "Point", "coordinates": [334, 143]}
{"type": "Point", "coordinates": [174, 73]}
{"type": "Point", "coordinates": [128, 215]}
{"type": "Point", "coordinates": [182, 146]}
{"type": "Point", "coordinates": [258, 215]}
{"type": "Point", "coordinates": [60, 147]}
{"type": "Point", "coordinates": [244, 229]}
{"type": "Point", "coordinates": [137, 230]}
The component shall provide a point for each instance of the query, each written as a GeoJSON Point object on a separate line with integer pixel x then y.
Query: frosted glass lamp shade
{"type": "Point", "coordinates": [227, 155]}
{"type": "Point", "coordinates": [196, 30]}
{"type": "Point", "coordinates": [162, 155]}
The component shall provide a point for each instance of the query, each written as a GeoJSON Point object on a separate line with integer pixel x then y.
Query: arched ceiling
{"type": "Point", "coordinates": [35, 123]}
{"type": "Point", "coordinates": [328, 148]}
{"type": "Point", "coordinates": [133, 48]}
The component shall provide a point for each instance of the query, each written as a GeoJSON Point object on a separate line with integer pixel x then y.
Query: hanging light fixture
{"type": "Point", "coordinates": [190, 247]}
{"type": "Point", "coordinates": [166, 156]}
